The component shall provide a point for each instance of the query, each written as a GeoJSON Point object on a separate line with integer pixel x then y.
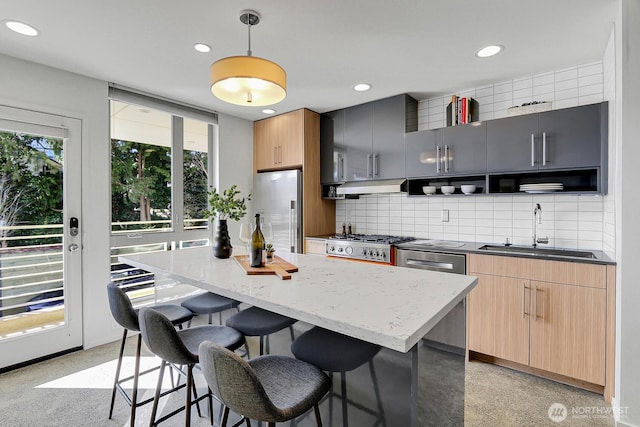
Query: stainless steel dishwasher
{"type": "Point", "coordinates": [449, 333]}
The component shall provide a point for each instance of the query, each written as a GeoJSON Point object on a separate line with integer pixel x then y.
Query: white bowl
{"type": "Point", "coordinates": [447, 189]}
{"type": "Point", "coordinates": [429, 189]}
{"type": "Point", "coordinates": [468, 189]}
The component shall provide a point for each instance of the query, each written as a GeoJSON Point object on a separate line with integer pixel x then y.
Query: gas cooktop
{"type": "Point", "coordinates": [372, 238]}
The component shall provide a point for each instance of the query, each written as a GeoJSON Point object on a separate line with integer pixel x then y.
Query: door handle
{"type": "Point", "coordinates": [446, 159]}
{"type": "Point", "coordinates": [535, 302]}
{"type": "Point", "coordinates": [375, 164]}
{"type": "Point", "coordinates": [74, 248]}
{"type": "Point", "coordinates": [423, 263]}
{"type": "Point", "coordinates": [292, 226]}
{"type": "Point", "coordinates": [524, 312]}
{"type": "Point", "coordinates": [533, 150]}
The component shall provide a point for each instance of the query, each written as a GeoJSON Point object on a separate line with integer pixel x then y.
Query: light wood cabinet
{"type": "Point", "coordinates": [314, 246]}
{"type": "Point", "coordinates": [279, 141]}
{"type": "Point", "coordinates": [292, 141]}
{"type": "Point", "coordinates": [550, 316]}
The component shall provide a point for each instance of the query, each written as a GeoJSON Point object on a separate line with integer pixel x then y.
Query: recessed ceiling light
{"type": "Point", "coordinates": [268, 111]}
{"type": "Point", "coordinates": [201, 47]}
{"type": "Point", "coordinates": [362, 87]}
{"type": "Point", "coordinates": [489, 51]}
{"type": "Point", "coordinates": [21, 28]}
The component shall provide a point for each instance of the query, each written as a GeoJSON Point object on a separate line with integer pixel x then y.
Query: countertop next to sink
{"type": "Point", "coordinates": [469, 247]}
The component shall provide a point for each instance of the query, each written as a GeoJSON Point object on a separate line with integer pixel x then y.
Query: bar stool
{"type": "Point", "coordinates": [268, 388]}
{"type": "Point", "coordinates": [209, 303]}
{"type": "Point", "coordinates": [256, 322]}
{"type": "Point", "coordinates": [334, 352]}
{"type": "Point", "coordinates": [127, 317]}
{"type": "Point", "coordinates": [179, 348]}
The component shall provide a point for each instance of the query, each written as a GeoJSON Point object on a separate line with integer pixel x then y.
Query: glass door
{"type": "Point", "coordinates": [40, 235]}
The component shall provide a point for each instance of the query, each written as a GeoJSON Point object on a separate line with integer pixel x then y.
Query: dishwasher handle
{"type": "Point", "coordinates": [429, 264]}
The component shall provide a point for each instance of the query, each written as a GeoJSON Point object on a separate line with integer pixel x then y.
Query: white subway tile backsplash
{"type": "Point", "coordinates": [503, 87]}
{"type": "Point", "coordinates": [543, 79]}
{"type": "Point", "coordinates": [594, 68]}
{"type": "Point", "coordinates": [566, 84]}
{"type": "Point", "coordinates": [484, 91]}
{"type": "Point", "coordinates": [566, 103]}
{"type": "Point", "coordinates": [566, 74]}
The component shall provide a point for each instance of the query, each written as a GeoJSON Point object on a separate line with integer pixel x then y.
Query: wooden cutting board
{"type": "Point", "coordinates": [279, 267]}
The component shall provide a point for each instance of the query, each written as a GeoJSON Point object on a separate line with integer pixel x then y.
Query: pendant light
{"type": "Point", "coordinates": [248, 80]}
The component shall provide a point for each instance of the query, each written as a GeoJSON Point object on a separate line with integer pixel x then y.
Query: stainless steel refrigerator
{"type": "Point", "coordinates": [277, 197]}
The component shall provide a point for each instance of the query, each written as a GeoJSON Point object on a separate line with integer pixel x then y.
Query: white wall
{"type": "Point", "coordinates": [235, 162]}
{"type": "Point", "coordinates": [627, 208]}
{"type": "Point", "coordinates": [39, 88]}
{"type": "Point", "coordinates": [570, 221]}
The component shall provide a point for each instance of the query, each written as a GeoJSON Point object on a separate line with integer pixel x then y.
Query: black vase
{"type": "Point", "coordinates": [222, 242]}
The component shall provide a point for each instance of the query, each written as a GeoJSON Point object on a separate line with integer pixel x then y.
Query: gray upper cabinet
{"type": "Point", "coordinates": [372, 145]}
{"type": "Point", "coordinates": [572, 137]}
{"type": "Point", "coordinates": [332, 148]}
{"type": "Point", "coordinates": [358, 139]}
{"type": "Point", "coordinates": [454, 150]}
{"type": "Point", "coordinates": [420, 153]}
{"type": "Point", "coordinates": [559, 139]}
{"type": "Point", "coordinates": [389, 125]}
{"type": "Point", "coordinates": [464, 149]}
{"type": "Point", "coordinates": [511, 144]}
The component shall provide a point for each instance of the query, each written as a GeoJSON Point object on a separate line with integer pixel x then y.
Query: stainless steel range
{"type": "Point", "coordinates": [364, 247]}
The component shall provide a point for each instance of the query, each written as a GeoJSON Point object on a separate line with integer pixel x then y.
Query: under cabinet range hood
{"type": "Point", "coordinates": [373, 187]}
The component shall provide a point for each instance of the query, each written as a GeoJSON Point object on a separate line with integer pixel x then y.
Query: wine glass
{"type": "Point", "coordinates": [245, 236]}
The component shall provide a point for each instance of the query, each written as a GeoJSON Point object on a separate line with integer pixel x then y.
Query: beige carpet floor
{"type": "Point", "coordinates": [74, 390]}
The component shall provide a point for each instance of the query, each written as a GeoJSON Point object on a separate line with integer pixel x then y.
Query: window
{"type": "Point", "coordinates": [160, 161]}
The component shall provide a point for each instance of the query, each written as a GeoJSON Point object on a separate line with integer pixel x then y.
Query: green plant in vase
{"type": "Point", "coordinates": [270, 251]}
{"type": "Point", "coordinates": [224, 206]}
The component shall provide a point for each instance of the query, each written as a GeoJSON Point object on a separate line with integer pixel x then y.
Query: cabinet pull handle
{"type": "Point", "coordinates": [446, 159]}
{"type": "Point", "coordinates": [535, 303]}
{"type": "Point", "coordinates": [438, 168]}
{"type": "Point", "coordinates": [279, 154]}
{"type": "Point", "coordinates": [341, 168]}
{"type": "Point", "coordinates": [275, 154]}
{"type": "Point", "coordinates": [533, 150]}
{"type": "Point", "coordinates": [524, 313]}
{"type": "Point", "coordinates": [375, 164]}
{"type": "Point", "coordinates": [368, 164]}
{"type": "Point", "coordinates": [544, 148]}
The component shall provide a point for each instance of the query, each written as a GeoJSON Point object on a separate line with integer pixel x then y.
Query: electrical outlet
{"type": "Point", "coordinates": [444, 215]}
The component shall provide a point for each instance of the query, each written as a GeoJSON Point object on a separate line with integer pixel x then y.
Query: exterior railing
{"type": "Point", "coordinates": [31, 265]}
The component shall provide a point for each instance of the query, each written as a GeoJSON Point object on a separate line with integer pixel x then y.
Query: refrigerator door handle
{"type": "Point", "coordinates": [292, 226]}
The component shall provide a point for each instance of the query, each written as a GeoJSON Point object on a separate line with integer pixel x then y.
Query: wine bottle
{"type": "Point", "coordinates": [257, 245]}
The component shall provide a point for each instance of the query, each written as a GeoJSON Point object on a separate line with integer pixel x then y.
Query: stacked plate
{"type": "Point", "coordinates": [541, 188]}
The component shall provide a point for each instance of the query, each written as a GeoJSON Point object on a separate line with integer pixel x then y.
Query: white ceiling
{"type": "Point", "coordinates": [422, 47]}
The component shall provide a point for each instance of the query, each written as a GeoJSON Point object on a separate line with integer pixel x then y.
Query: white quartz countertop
{"type": "Point", "coordinates": [386, 305]}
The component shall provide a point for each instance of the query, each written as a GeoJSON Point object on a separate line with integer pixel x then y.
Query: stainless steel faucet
{"type": "Point", "coordinates": [537, 219]}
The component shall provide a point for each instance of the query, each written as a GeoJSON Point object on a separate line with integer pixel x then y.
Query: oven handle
{"type": "Point", "coordinates": [433, 264]}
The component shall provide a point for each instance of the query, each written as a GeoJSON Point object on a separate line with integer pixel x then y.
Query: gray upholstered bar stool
{"type": "Point", "coordinates": [209, 303]}
{"type": "Point", "coordinates": [180, 348]}
{"type": "Point", "coordinates": [334, 352]}
{"type": "Point", "coordinates": [272, 389]}
{"type": "Point", "coordinates": [127, 317]}
{"type": "Point", "coordinates": [256, 322]}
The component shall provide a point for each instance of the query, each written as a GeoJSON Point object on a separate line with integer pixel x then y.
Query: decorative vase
{"type": "Point", "coordinates": [222, 242]}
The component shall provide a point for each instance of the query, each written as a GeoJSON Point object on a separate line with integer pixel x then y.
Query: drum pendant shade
{"type": "Point", "coordinates": [248, 80]}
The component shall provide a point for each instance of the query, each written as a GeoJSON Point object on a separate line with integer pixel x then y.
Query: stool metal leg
{"type": "Point", "coordinates": [115, 381]}
{"type": "Point", "coordinates": [331, 400]}
{"type": "Point", "coordinates": [345, 415]}
{"type": "Point", "coordinates": [156, 398]}
{"type": "Point", "coordinates": [136, 374]}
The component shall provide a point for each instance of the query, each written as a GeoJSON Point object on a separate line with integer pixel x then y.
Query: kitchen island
{"type": "Point", "coordinates": [390, 306]}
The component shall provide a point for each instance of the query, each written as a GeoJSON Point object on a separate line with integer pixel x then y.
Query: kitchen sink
{"type": "Point", "coordinates": [525, 250]}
